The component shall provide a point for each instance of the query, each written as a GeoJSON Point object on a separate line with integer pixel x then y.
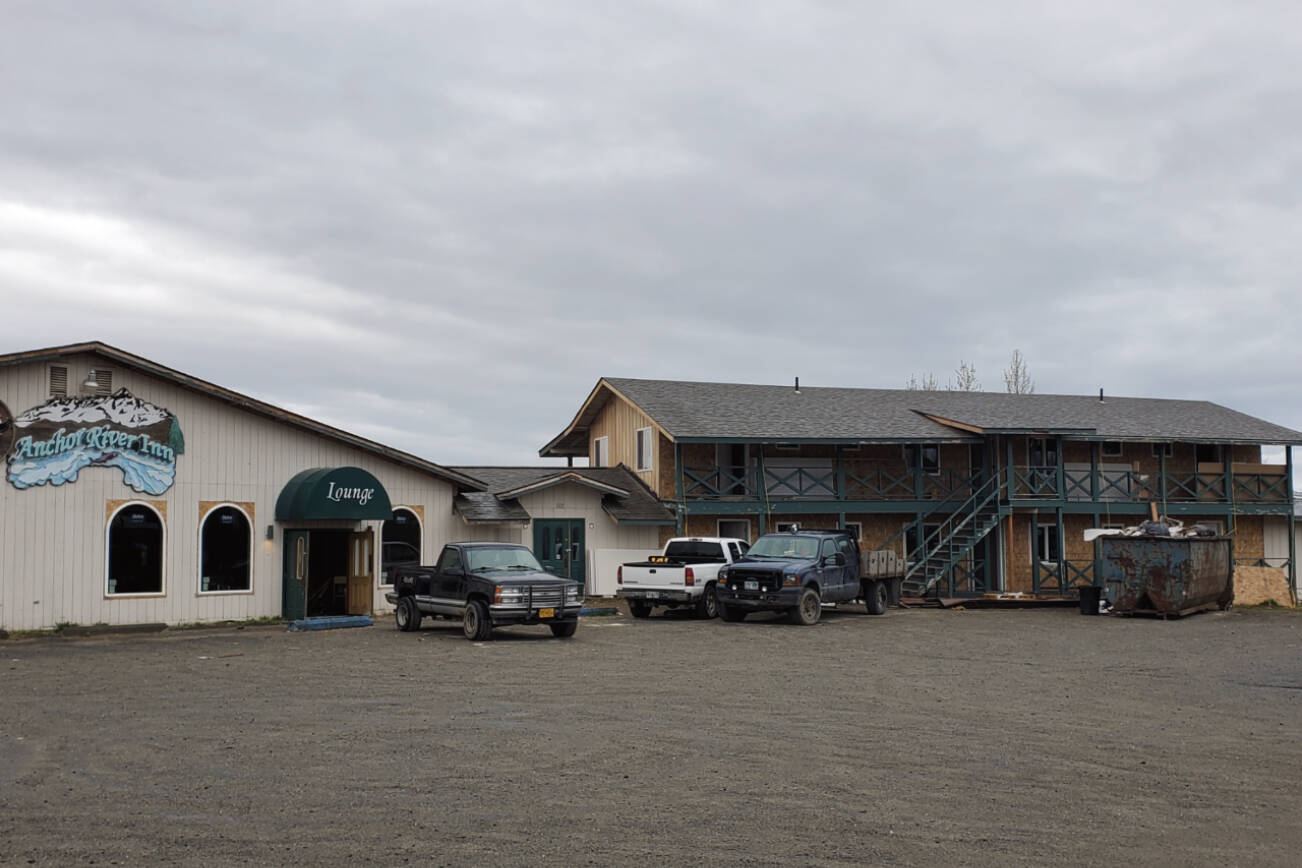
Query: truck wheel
{"type": "Point", "coordinates": [708, 605]}
{"type": "Point", "coordinates": [407, 615]}
{"type": "Point", "coordinates": [564, 629]}
{"type": "Point", "coordinates": [808, 609]}
{"type": "Point", "coordinates": [875, 597]}
{"type": "Point", "coordinates": [730, 614]}
{"type": "Point", "coordinates": [475, 623]}
{"type": "Point", "coordinates": [638, 609]}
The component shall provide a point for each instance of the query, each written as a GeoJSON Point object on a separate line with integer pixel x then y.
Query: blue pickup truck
{"type": "Point", "coordinates": [797, 572]}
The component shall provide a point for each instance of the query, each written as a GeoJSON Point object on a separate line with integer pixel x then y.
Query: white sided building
{"type": "Point", "coordinates": [135, 493]}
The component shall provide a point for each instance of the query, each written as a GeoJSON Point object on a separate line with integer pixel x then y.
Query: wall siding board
{"type": "Point", "coordinates": [52, 557]}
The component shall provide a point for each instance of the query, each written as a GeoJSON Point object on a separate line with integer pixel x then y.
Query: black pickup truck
{"type": "Point", "coordinates": [796, 573]}
{"type": "Point", "coordinates": [486, 585]}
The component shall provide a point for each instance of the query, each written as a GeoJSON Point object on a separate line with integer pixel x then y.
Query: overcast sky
{"type": "Point", "coordinates": [438, 224]}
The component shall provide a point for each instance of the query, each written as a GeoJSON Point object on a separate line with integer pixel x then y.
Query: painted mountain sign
{"type": "Point", "coordinates": [50, 444]}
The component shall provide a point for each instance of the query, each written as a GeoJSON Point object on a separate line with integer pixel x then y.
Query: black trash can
{"type": "Point", "coordinates": [1089, 599]}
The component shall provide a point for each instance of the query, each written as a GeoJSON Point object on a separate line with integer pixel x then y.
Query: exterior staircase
{"type": "Point", "coordinates": [950, 543]}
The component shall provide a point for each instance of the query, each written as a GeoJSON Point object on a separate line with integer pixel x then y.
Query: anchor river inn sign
{"type": "Point", "coordinates": [51, 444]}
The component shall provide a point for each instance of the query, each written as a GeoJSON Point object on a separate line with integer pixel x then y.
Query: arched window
{"type": "Point", "coordinates": [225, 541]}
{"type": "Point", "coordinates": [399, 543]}
{"type": "Point", "coordinates": [135, 551]}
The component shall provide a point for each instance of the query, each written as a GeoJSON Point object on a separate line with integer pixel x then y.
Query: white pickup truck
{"type": "Point", "coordinates": [680, 576]}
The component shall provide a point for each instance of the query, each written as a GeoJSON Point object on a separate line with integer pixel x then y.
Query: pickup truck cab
{"type": "Point", "coordinates": [680, 576]}
{"type": "Point", "coordinates": [796, 572]}
{"type": "Point", "coordinates": [486, 585]}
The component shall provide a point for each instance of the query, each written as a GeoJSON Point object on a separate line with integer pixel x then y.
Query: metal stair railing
{"type": "Point", "coordinates": [888, 547]}
{"type": "Point", "coordinates": [948, 544]}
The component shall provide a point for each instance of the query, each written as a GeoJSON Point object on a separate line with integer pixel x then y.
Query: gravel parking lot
{"type": "Point", "coordinates": [923, 737]}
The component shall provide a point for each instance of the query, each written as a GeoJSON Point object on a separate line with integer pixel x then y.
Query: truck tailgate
{"type": "Point", "coordinates": [657, 576]}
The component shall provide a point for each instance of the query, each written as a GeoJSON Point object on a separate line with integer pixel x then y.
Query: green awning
{"type": "Point", "coordinates": [333, 492]}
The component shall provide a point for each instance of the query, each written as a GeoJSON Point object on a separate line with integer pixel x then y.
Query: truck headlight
{"type": "Point", "coordinates": [508, 596]}
{"type": "Point", "coordinates": [790, 580]}
{"type": "Point", "coordinates": [572, 592]}
{"type": "Point", "coordinates": [723, 574]}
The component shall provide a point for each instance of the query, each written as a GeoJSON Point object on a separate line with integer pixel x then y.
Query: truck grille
{"type": "Point", "coordinates": [737, 577]}
{"type": "Point", "coordinates": [541, 597]}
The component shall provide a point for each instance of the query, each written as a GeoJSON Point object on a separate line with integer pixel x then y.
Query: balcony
{"type": "Point", "coordinates": [886, 482]}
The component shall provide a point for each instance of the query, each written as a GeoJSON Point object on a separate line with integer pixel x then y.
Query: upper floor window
{"type": "Point", "coordinates": [1112, 449]}
{"type": "Point", "coordinates": [1162, 450]}
{"type": "Point", "coordinates": [1208, 453]}
{"type": "Point", "coordinates": [1042, 452]}
{"type": "Point", "coordinates": [601, 452]}
{"type": "Point", "coordinates": [135, 551]}
{"type": "Point", "coordinates": [645, 444]}
{"type": "Point", "coordinates": [925, 454]}
{"type": "Point", "coordinates": [225, 549]}
{"type": "Point", "coordinates": [399, 543]}
{"type": "Point", "coordinates": [736, 528]}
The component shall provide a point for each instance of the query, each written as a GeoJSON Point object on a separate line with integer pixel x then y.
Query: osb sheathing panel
{"type": "Point", "coordinates": [666, 482]}
{"type": "Point", "coordinates": [113, 506]}
{"type": "Point", "coordinates": [1256, 585]}
{"type": "Point", "coordinates": [207, 506]}
{"type": "Point", "coordinates": [699, 456]}
{"type": "Point", "coordinates": [1249, 537]}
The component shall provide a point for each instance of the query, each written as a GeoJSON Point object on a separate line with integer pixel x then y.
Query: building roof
{"type": "Point", "coordinates": [623, 495]}
{"type": "Point", "coordinates": [690, 411]}
{"type": "Point", "coordinates": [244, 402]}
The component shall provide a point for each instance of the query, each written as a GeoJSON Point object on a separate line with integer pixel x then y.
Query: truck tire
{"type": "Point", "coordinates": [875, 597]}
{"type": "Point", "coordinates": [638, 609]}
{"type": "Point", "coordinates": [407, 615]}
{"type": "Point", "coordinates": [475, 623]}
{"type": "Point", "coordinates": [808, 609]}
{"type": "Point", "coordinates": [730, 614]}
{"type": "Point", "coordinates": [564, 629]}
{"type": "Point", "coordinates": [708, 604]}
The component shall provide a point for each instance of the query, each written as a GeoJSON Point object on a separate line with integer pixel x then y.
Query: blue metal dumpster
{"type": "Point", "coordinates": [1167, 576]}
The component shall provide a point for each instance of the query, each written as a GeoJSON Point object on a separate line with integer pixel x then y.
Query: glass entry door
{"type": "Point", "coordinates": [558, 543]}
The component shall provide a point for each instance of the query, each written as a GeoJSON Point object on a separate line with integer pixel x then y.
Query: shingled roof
{"type": "Point", "coordinates": [688, 411]}
{"type": "Point", "coordinates": [624, 496]}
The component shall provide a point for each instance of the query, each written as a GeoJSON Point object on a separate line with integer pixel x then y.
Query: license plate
{"type": "Point", "coordinates": [752, 586]}
{"type": "Point", "coordinates": [546, 613]}
{"type": "Point", "coordinates": [653, 595]}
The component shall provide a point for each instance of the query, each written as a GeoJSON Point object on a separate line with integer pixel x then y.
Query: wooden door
{"type": "Point", "coordinates": [361, 572]}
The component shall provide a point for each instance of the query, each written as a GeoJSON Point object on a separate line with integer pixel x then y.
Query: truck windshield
{"type": "Point", "coordinates": [784, 546]}
{"type": "Point", "coordinates": [506, 558]}
{"type": "Point", "coordinates": [694, 550]}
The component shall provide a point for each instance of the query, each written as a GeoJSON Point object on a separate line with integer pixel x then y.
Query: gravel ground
{"type": "Point", "coordinates": [920, 738]}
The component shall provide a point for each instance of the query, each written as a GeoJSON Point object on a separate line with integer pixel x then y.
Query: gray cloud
{"type": "Point", "coordinates": [438, 225]}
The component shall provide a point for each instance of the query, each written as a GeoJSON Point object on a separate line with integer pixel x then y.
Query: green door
{"type": "Point", "coordinates": [558, 543]}
{"type": "Point", "coordinates": [294, 584]}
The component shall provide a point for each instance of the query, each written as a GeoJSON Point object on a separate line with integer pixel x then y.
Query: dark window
{"type": "Point", "coordinates": [1160, 449]}
{"type": "Point", "coordinates": [737, 529]}
{"type": "Point", "coordinates": [224, 551]}
{"type": "Point", "coordinates": [1043, 452]}
{"type": "Point", "coordinates": [1208, 453]}
{"type": "Point", "coordinates": [913, 546]}
{"type": "Point", "coordinates": [1112, 448]}
{"type": "Point", "coordinates": [135, 551]}
{"type": "Point", "coordinates": [399, 543]}
{"type": "Point", "coordinates": [846, 545]}
{"type": "Point", "coordinates": [926, 454]}
{"type": "Point", "coordinates": [693, 550]}
{"type": "Point", "coordinates": [449, 560]}
{"type": "Point", "coordinates": [644, 442]}
{"type": "Point", "coordinates": [735, 550]}
{"type": "Point", "coordinates": [1046, 542]}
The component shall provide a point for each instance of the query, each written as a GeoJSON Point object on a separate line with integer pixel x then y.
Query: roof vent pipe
{"type": "Point", "coordinates": [1100, 394]}
{"type": "Point", "coordinates": [797, 385]}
